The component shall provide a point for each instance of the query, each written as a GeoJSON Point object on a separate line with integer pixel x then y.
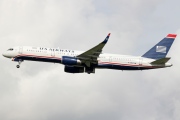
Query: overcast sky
{"type": "Point", "coordinates": [42, 91]}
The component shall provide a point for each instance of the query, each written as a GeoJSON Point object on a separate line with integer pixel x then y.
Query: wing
{"type": "Point", "coordinates": [91, 55]}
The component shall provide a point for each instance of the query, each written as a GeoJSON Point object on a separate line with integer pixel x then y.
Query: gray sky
{"type": "Point", "coordinates": [42, 91]}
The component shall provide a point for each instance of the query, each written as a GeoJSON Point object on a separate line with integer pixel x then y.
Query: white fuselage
{"type": "Point", "coordinates": [54, 55]}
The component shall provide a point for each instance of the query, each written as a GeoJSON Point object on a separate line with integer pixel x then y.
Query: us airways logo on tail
{"type": "Point", "coordinates": [161, 49]}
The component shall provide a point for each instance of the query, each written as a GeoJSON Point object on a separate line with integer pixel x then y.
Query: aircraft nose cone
{"type": "Point", "coordinates": [4, 55]}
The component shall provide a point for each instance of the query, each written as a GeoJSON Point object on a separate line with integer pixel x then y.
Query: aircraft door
{"type": "Point", "coordinates": [20, 50]}
{"type": "Point", "coordinates": [140, 61]}
{"type": "Point", "coordinates": [110, 59]}
{"type": "Point", "coordinates": [53, 52]}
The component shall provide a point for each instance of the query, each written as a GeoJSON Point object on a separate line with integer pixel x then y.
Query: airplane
{"type": "Point", "coordinates": [88, 61]}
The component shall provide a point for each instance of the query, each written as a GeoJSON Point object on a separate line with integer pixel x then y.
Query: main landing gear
{"type": "Point", "coordinates": [90, 70]}
{"type": "Point", "coordinates": [19, 63]}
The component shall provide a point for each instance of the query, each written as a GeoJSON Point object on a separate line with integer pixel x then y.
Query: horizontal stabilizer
{"type": "Point", "coordinates": [161, 61]}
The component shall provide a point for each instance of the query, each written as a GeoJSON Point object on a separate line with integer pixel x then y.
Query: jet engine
{"type": "Point", "coordinates": [72, 69]}
{"type": "Point", "coordinates": [66, 60]}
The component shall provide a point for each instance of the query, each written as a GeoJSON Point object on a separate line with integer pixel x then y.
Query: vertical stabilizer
{"type": "Point", "coordinates": [161, 49]}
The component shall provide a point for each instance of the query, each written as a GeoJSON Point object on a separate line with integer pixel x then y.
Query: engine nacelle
{"type": "Point", "coordinates": [72, 69]}
{"type": "Point", "coordinates": [66, 60]}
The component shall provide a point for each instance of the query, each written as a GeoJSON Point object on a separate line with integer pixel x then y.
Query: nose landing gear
{"type": "Point", "coordinates": [20, 61]}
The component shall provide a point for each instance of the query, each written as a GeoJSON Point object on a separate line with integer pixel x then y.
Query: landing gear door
{"type": "Point", "coordinates": [20, 50]}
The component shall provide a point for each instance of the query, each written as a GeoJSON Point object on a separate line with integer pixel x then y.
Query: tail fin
{"type": "Point", "coordinates": [161, 49]}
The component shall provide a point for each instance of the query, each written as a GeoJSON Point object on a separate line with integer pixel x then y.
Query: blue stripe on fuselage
{"type": "Point", "coordinates": [54, 60]}
{"type": "Point", "coordinates": [119, 67]}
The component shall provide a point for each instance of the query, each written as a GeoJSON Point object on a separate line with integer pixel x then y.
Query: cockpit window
{"type": "Point", "coordinates": [10, 49]}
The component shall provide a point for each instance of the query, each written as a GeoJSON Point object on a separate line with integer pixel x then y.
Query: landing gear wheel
{"type": "Point", "coordinates": [18, 66]}
{"type": "Point", "coordinates": [90, 70]}
{"type": "Point", "coordinates": [19, 61]}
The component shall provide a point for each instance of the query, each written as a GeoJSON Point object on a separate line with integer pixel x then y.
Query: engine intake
{"type": "Point", "coordinates": [72, 69]}
{"type": "Point", "coordinates": [66, 60]}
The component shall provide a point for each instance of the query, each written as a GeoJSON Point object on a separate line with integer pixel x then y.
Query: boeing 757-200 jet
{"type": "Point", "coordinates": [88, 61]}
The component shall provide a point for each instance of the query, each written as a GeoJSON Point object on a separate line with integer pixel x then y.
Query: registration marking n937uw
{"type": "Point", "coordinates": [88, 61]}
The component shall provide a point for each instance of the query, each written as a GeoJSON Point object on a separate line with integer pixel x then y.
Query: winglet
{"type": "Point", "coordinates": [106, 39]}
{"type": "Point", "coordinates": [109, 34]}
